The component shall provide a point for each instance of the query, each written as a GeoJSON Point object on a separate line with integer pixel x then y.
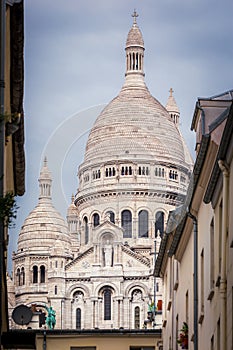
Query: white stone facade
{"type": "Point", "coordinates": [97, 270]}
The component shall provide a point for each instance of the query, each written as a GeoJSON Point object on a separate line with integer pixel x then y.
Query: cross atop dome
{"type": "Point", "coordinates": [135, 15]}
{"type": "Point", "coordinates": [171, 91]}
{"type": "Point", "coordinates": [45, 162]}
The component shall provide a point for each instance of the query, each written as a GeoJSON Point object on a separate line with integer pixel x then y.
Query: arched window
{"type": "Point", "coordinates": [159, 223]}
{"type": "Point", "coordinates": [22, 276]}
{"type": "Point", "coordinates": [126, 223]}
{"type": "Point", "coordinates": [42, 274]}
{"type": "Point", "coordinates": [112, 216]}
{"type": "Point", "coordinates": [35, 274]}
{"type": "Point", "coordinates": [96, 219]}
{"type": "Point", "coordinates": [78, 318]}
{"type": "Point", "coordinates": [143, 223]}
{"type": "Point", "coordinates": [86, 230]}
{"type": "Point", "coordinates": [107, 304]}
{"type": "Point", "coordinates": [137, 317]}
{"type": "Point", "coordinates": [18, 277]}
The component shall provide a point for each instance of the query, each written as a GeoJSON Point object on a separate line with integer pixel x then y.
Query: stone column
{"type": "Point", "coordinates": [93, 313]}
{"type": "Point", "coordinates": [71, 319]}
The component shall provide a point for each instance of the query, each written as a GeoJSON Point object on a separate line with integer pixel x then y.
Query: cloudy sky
{"type": "Point", "coordinates": [75, 64]}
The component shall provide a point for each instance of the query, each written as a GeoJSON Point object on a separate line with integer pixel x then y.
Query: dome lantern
{"type": "Point", "coordinates": [134, 50]}
{"type": "Point", "coordinates": [45, 181]}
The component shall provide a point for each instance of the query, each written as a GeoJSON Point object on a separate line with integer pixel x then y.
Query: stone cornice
{"type": "Point", "coordinates": [79, 257]}
{"type": "Point", "coordinates": [167, 197]}
{"type": "Point", "coordinates": [140, 258]}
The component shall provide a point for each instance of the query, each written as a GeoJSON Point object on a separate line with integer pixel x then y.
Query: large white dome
{"type": "Point", "coordinates": [134, 125]}
{"type": "Point", "coordinates": [135, 143]}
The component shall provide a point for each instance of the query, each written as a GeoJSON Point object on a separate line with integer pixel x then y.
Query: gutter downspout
{"type": "Point", "coordinates": [2, 144]}
{"type": "Point", "coordinates": [223, 280]}
{"type": "Point", "coordinates": [195, 281]}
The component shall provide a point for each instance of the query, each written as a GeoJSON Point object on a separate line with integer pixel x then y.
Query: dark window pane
{"type": "Point", "coordinates": [42, 274]}
{"type": "Point", "coordinates": [78, 318]}
{"type": "Point", "coordinates": [107, 304]}
{"type": "Point", "coordinates": [143, 223]}
{"type": "Point", "coordinates": [96, 219]}
{"type": "Point", "coordinates": [126, 223]}
{"type": "Point", "coordinates": [86, 230]}
{"type": "Point", "coordinates": [137, 317]}
{"type": "Point", "coordinates": [35, 274]}
{"type": "Point", "coordinates": [159, 223]}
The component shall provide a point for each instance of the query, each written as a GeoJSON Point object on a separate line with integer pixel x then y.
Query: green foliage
{"type": "Point", "coordinates": [183, 336]}
{"type": "Point", "coordinates": [8, 209]}
{"type": "Point", "coordinates": [9, 118]}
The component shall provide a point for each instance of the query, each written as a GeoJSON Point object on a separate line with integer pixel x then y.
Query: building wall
{"type": "Point", "coordinates": [210, 203]}
{"type": "Point", "coordinates": [124, 342]}
{"type": "Point", "coordinates": [229, 333]}
{"type": "Point", "coordinates": [178, 295]}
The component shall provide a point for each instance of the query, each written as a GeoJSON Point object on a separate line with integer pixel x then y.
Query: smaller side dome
{"type": "Point", "coordinates": [44, 224]}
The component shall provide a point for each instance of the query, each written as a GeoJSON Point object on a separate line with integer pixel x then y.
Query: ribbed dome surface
{"type": "Point", "coordinates": [134, 125]}
{"type": "Point", "coordinates": [44, 225]}
{"type": "Point", "coordinates": [134, 37]}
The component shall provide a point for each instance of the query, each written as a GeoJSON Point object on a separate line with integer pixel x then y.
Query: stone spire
{"type": "Point", "coordinates": [172, 108]}
{"type": "Point", "coordinates": [134, 54]}
{"type": "Point", "coordinates": [45, 181]}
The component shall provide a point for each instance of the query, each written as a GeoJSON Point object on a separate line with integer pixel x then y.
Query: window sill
{"type": "Point", "coordinates": [176, 285]}
{"type": "Point", "coordinates": [169, 305]}
{"type": "Point", "coordinates": [211, 294]}
{"type": "Point", "coordinates": [201, 318]}
{"type": "Point", "coordinates": [217, 284]}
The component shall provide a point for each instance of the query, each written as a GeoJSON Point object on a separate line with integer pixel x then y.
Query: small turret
{"type": "Point", "coordinates": [173, 109]}
{"type": "Point", "coordinates": [72, 221]}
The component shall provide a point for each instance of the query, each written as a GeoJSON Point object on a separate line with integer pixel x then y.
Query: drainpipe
{"type": "Point", "coordinates": [195, 281]}
{"type": "Point", "coordinates": [223, 280]}
{"type": "Point", "coordinates": [44, 340]}
{"type": "Point", "coordinates": [2, 143]}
